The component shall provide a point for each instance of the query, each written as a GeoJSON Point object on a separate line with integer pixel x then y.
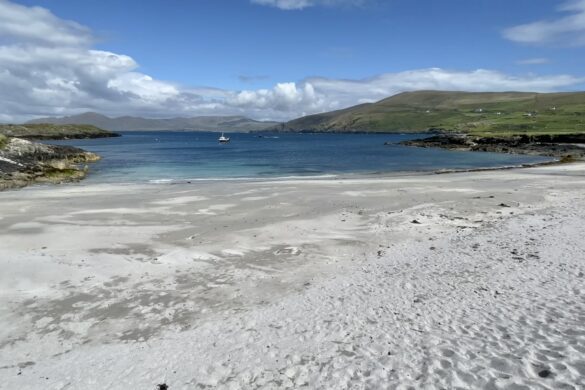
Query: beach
{"type": "Point", "coordinates": [470, 280]}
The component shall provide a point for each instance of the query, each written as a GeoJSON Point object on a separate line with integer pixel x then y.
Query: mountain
{"type": "Point", "coordinates": [199, 123]}
{"type": "Point", "coordinates": [474, 112]}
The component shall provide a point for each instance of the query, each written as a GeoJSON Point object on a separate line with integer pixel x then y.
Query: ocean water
{"type": "Point", "coordinates": [177, 156]}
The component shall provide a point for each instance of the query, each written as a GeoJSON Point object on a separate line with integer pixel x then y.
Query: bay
{"type": "Point", "coordinates": [156, 156]}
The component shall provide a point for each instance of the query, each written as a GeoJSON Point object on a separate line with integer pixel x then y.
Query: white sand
{"type": "Point", "coordinates": [458, 281]}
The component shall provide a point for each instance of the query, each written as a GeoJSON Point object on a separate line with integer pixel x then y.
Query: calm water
{"type": "Point", "coordinates": [160, 156]}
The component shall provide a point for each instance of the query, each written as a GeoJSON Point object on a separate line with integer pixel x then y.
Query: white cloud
{"type": "Point", "coordinates": [40, 25]}
{"type": "Point", "coordinates": [568, 30]}
{"type": "Point", "coordinates": [53, 70]}
{"type": "Point", "coordinates": [533, 61]}
{"type": "Point", "coordinates": [301, 4]}
{"type": "Point", "coordinates": [319, 94]}
{"type": "Point", "coordinates": [285, 4]}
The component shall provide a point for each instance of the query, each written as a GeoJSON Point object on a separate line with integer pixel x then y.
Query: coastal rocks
{"type": "Point", "coordinates": [24, 162]}
{"type": "Point", "coordinates": [561, 146]}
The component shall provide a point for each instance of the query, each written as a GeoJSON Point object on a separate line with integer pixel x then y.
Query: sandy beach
{"type": "Point", "coordinates": [458, 281]}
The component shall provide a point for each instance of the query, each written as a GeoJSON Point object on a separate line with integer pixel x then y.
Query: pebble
{"type": "Point", "coordinates": [544, 373]}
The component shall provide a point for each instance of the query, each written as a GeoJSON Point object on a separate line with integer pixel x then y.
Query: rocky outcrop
{"type": "Point", "coordinates": [23, 162]}
{"type": "Point", "coordinates": [560, 146]}
{"type": "Point", "coordinates": [52, 131]}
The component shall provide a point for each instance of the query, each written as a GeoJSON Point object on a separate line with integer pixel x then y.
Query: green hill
{"type": "Point", "coordinates": [482, 113]}
{"type": "Point", "coordinates": [53, 131]}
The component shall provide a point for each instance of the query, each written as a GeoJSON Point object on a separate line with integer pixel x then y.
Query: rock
{"type": "Point", "coordinates": [290, 372]}
{"type": "Point", "coordinates": [559, 146]}
{"type": "Point", "coordinates": [544, 373]}
{"type": "Point", "coordinates": [415, 221]}
{"type": "Point", "coordinates": [23, 162]}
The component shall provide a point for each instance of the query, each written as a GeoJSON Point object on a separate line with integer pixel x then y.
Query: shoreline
{"type": "Point", "coordinates": [505, 168]}
{"type": "Point", "coordinates": [289, 179]}
{"type": "Point", "coordinates": [415, 280]}
{"type": "Point", "coordinates": [77, 174]}
{"type": "Point", "coordinates": [558, 146]}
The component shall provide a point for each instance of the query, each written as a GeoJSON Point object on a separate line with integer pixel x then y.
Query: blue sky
{"type": "Point", "coordinates": [261, 58]}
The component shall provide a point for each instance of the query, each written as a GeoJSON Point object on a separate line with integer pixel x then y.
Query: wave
{"type": "Point", "coordinates": [249, 178]}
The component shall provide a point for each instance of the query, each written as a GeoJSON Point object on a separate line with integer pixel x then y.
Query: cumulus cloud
{"type": "Point", "coordinates": [318, 94]}
{"type": "Point", "coordinates": [568, 30]}
{"type": "Point", "coordinates": [39, 25]}
{"type": "Point", "coordinates": [301, 4]}
{"type": "Point", "coordinates": [52, 69]}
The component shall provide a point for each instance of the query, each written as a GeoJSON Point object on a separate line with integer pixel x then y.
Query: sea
{"type": "Point", "coordinates": [175, 156]}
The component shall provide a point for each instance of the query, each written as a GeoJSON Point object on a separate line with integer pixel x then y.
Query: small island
{"type": "Point", "coordinates": [23, 162]}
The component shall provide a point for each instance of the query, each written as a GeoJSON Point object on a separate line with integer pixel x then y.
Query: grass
{"type": "Point", "coordinates": [486, 114]}
{"type": "Point", "coordinates": [49, 131]}
{"type": "Point", "coordinates": [517, 123]}
{"type": "Point", "coordinates": [3, 141]}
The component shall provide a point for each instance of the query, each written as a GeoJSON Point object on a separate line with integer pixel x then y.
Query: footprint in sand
{"type": "Point", "coordinates": [289, 250]}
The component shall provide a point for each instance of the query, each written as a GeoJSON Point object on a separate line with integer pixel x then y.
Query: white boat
{"type": "Point", "coordinates": [223, 139]}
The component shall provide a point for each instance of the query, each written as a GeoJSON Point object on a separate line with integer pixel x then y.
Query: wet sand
{"type": "Point", "coordinates": [462, 280]}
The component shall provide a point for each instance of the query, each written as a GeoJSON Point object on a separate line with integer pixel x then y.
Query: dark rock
{"type": "Point", "coordinates": [544, 373]}
{"type": "Point", "coordinates": [23, 162]}
{"type": "Point", "coordinates": [559, 146]}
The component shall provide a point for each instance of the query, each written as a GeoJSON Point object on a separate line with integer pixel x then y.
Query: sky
{"type": "Point", "coordinates": [275, 59]}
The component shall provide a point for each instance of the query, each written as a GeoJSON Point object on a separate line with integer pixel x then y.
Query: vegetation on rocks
{"type": "Point", "coordinates": [54, 131]}
{"type": "Point", "coordinates": [566, 148]}
{"type": "Point", "coordinates": [23, 162]}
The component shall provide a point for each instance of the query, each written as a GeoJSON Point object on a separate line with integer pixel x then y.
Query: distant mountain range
{"type": "Point", "coordinates": [485, 113]}
{"type": "Point", "coordinates": [474, 112]}
{"type": "Point", "coordinates": [130, 123]}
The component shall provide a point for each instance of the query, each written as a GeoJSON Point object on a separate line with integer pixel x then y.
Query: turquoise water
{"type": "Point", "coordinates": [169, 156]}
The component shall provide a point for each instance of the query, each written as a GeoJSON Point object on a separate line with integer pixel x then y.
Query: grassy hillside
{"type": "Point", "coordinates": [490, 113]}
{"type": "Point", "coordinates": [52, 131]}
